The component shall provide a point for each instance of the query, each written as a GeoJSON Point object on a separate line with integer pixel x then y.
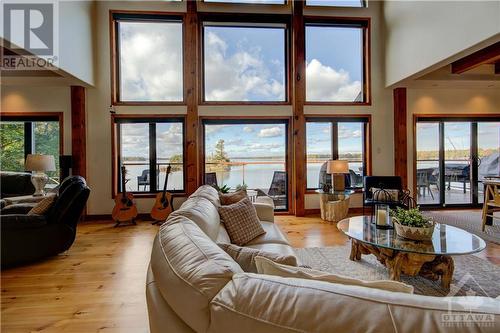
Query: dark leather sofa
{"type": "Point", "coordinates": [27, 238]}
{"type": "Point", "coordinates": [14, 184]}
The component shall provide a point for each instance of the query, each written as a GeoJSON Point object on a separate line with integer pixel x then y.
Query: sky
{"type": "Point", "coordinates": [457, 135]}
{"type": "Point", "coordinates": [247, 140]}
{"type": "Point", "coordinates": [319, 138]}
{"type": "Point", "coordinates": [135, 140]}
{"type": "Point", "coordinates": [241, 63]}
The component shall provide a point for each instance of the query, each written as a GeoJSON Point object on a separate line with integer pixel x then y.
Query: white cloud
{"type": "Point", "coordinates": [270, 132]}
{"type": "Point", "coordinates": [239, 76]}
{"type": "Point", "coordinates": [247, 129]}
{"type": "Point", "coordinates": [151, 61]}
{"type": "Point", "coordinates": [210, 129]}
{"type": "Point", "coordinates": [345, 133]}
{"type": "Point", "coordinates": [324, 83]}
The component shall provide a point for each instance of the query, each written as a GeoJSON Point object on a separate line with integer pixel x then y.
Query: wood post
{"type": "Point", "coordinates": [191, 55]}
{"type": "Point", "coordinates": [400, 139]}
{"type": "Point", "coordinates": [78, 132]}
{"type": "Point", "coordinates": [299, 122]}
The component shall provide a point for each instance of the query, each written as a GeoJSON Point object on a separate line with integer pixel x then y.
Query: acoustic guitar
{"type": "Point", "coordinates": [163, 203]}
{"type": "Point", "coordinates": [125, 208]}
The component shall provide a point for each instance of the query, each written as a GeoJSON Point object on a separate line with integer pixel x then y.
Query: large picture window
{"type": "Point", "coordinates": [149, 62]}
{"type": "Point", "coordinates": [21, 135]}
{"type": "Point", "coordinates": [336, 138]}
{"type": "Point", "coordinates": [336, 63]}
{"type": "Point", "coordinates": [146, 147]}
{"type": "Point", "coordinates": [244, 63]}
{"type": "Point", "coordinates": [250, 154]}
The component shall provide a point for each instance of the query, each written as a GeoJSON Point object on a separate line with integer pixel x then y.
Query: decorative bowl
{"type": "Point", "coordinates": [414, 233]}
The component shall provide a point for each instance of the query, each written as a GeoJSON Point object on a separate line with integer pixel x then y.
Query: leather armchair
{"type": "Point", "coordinates": [26, 238]}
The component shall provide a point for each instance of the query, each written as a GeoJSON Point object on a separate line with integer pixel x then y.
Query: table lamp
{"type": "Point", "coordinates": [337, 168]}
{"type": "Point", "coordinates": [39, 164]}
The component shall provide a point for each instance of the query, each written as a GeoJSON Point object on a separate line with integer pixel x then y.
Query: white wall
{"type": "Point", "coordinates": [423, 34]}
{"type": "Point", "coordinates": [76, 34]}
{"type": "Point", "coordinates": [468, 102]}
{"type": "Point", "coordinates": [39, 99]}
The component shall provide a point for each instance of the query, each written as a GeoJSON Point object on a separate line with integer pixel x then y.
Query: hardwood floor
{"type": "Point", "coordinates": [98, 285]}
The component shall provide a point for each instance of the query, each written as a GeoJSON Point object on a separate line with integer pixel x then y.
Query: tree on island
{"type": "Point", "coordinates": [217, 162]}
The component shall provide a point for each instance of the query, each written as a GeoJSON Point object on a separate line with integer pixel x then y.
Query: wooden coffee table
{"type": "Point", "coordinates": [431, 259]}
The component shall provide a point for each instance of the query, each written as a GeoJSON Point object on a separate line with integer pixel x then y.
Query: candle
{"type": "Point", "coordinates": [381, 217]}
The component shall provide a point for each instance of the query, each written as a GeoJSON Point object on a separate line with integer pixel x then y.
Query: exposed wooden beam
{"type": "Point", "coordinates": [78, 131]}
{"type": "Point", "coordinates": [487, 55]}
{"type": "Point", "coordinates": [400, 139]}
{"type": "Point", "coordinates": [191, 56]}
{"type": "Point", "coordinates": [299, 122]}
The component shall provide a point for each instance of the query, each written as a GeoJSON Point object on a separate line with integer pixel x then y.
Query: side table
{"type": "Point", "coordinates": [334, 206]}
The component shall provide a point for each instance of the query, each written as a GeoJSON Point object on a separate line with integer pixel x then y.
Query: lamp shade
{"type": "Point", "coordinates": [38, 162]}
{"type": "Point", "coordinates": [337, 166]}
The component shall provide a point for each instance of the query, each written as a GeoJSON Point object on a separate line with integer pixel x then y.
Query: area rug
{"type": "Point", "coordinates": [469, 220]}
{"type": "Point", "coordinates": [473, 276]}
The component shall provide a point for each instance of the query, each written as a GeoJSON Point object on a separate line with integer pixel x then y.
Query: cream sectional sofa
{"type": "Point", "coordinates": [194, 286]}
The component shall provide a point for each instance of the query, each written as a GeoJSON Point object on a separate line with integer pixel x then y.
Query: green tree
{"type": "Point", "coordinates": [218, 161]}
{"type": "Point", "coordinates": [174, 159]}
{"type": "Point", "coordinates": [12, 146]}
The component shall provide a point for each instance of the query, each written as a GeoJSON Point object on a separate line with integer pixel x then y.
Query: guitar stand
{"type": "Point", "coordinates": [119, 223]}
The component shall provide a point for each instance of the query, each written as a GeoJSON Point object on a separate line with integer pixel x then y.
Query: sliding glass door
{"type": "Point", "coordinates": [453, 156]}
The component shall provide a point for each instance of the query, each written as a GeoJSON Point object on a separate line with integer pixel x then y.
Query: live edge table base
{"type": "Point", "coordinates": [429, 266]}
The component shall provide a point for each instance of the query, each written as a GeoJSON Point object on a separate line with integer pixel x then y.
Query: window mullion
{"type": "Point", "coordinates": [335, 140]}
{"type": "Point", "coordinates": [28, 139]}
{"type": "Point", "coordinates": [152, 158]}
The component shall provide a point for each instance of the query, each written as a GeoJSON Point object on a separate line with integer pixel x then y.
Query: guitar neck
{"type": "Point", "coordinates": [165, 186]}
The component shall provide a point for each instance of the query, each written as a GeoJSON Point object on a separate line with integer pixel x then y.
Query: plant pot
{"type": "Point", "coordinates": [413, 233]}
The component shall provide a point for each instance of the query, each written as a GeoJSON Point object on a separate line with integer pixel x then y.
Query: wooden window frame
{"type": "Point", "coordinates": [336, 119]}
{"type": "Point", "coordinates": [363, 2]}
{"type": "Point", "coordinates": [354, 22]}
{"type": "Point", "coordinates": [248, 6]}
{"type": "Point", "coordinates": [245, 20]}
{"type": "Point", "coordinates": [138, 16]}
{"type": "Point", "coordinates": [115, 156]}
{"type": "Point", "coordinates": [215, 120]}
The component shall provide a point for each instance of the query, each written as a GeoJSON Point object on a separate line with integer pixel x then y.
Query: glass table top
{"type": "Point", "coordinates": [446, 239]}
{"type": "Point", "coordinates": [336, 195]}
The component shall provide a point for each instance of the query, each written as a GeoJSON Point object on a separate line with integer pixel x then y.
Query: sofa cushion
{"type": "Point", "coordinates": [207, 192]}
{"type": "Point", "coordinates": [223, 236]}
{"type": "Point", "coordinates": [231, 198]}
{"type": "Point", "coordinates": [189, 270]}
{"type": "Point", "coordinates": [245, 256]}
{"type": "Point", "coordinates": [273, 235]}
{"type": "Point", "coordinates": [241, 221]}
{"type": "Point", "coordinates": [202, 212]}
{"type": "Point", "coordinates": [264, 303]}
{"type": "Point", "coordinates": [273, 267]}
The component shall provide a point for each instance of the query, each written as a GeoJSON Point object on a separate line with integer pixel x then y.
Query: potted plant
{"type": "Point", "coordinates": [411, 224]}
{"type": "Point", "coordinates": [240, 187]}
{"type": "Point", "coordinates": [222, 189]}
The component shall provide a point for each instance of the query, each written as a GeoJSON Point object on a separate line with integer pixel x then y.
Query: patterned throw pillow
{"type": "Point", "coordinates": [241, 221]}
{"type": "Point", "coordinates": [43, 206]}
{"type": "Point", "coordinates": [231, 198]}
{"type": "Point", "coordinates": [245, 257]}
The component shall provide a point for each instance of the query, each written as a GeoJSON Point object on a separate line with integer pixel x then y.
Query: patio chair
{"type": "Point", "coordinates": [143, 180]}
{"type": "Point", "coordinates": [424, 180]}
{"type": "Point", "coordinates": [278, 189]}
{"type": "Point", "coordinates": [211, 179]}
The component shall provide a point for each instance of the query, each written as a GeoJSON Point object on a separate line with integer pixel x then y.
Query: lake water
{"type": "Point", "coordinates": [256, 176]}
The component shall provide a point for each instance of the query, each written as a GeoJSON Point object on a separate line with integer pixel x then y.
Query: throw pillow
{"type": "Point", "coordinates": [43, 206]}
{"type": "Point", "coordinates": [380, 196]}
{"type": "Point", "coordinates": [266, 266]}
{"type": "Point", "coordinates": [241, 221]}
{"type": "Point", "coordinates": [231, 198]}
{"type": "Point", "coordinates": [245, 257]}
